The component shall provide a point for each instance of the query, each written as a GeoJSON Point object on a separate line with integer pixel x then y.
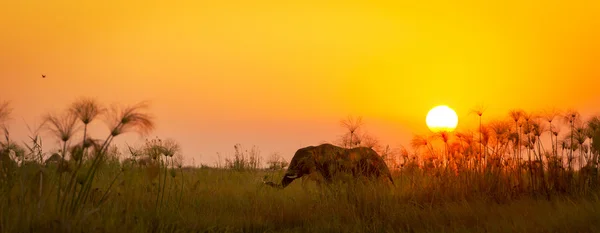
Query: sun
{"type": "Point", "coordinates": [441, 118]}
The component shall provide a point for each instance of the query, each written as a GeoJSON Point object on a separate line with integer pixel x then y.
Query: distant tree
{"type": "Point", "coordinates": [276, 162]}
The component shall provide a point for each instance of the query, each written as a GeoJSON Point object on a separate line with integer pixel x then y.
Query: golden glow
{"type": "Point", "coordinates": [281, 74]}
{"type": "Point", "coordinates": [441, 118]}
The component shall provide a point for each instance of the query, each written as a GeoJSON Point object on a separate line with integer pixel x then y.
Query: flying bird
{"type": "Point", "coordinates": [43, 76]}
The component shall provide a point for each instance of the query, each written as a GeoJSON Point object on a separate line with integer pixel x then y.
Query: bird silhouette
{"type": "Point", "coordinates": [43, 76]}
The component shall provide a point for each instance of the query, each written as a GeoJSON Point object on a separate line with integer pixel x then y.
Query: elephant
{"type": "Point", "coordinates": [330, 161]}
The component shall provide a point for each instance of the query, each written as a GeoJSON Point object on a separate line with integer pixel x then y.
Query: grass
{"type": "Point", "coordinates": [505, 182]}
{"type": "Point", "coordinates": [219, 200]}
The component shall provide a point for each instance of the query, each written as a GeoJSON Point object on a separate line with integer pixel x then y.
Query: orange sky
{"type": "Point", "coordinates": [281, 75]}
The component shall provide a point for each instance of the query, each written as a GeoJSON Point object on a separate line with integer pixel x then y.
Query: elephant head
{"type": "Point", "coordinates": [330, 161]}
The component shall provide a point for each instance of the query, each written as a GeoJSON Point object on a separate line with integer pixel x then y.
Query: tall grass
{"type": "Point", "coordinates": [498, 154]}
{"type": "Point", "coordinates": [500, 178]}
{"type": "Point", "coordinates": [218, 200]}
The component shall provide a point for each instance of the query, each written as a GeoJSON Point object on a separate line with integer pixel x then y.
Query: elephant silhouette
{"type": "Point", "coordinates": [331, 161]}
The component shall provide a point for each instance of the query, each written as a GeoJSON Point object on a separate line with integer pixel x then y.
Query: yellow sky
{"type": "Point", "coordinates": [281, 75]}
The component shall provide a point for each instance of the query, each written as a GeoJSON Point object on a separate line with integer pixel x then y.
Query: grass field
{"type": "Point", "coordinates": [499, 179]}
{"type": "Point", "coordinates": [218, 200]}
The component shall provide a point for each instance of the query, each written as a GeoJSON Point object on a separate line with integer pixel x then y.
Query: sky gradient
{"type": "Point", "coordinates": [282, 75]}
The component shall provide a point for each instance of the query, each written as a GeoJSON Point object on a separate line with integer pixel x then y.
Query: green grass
{"type": "Point", "coordinates": [216, 200]}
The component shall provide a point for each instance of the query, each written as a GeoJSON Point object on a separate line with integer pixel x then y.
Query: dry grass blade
{"type": "Point", "coordinates": [130, 119]}
{"type": "Point", "coordinates": [170, 147]}
{"type": "Point", "coordinates": [442, 135]}
{"type": "Point", "coordinates": [352, 123]}
{"type": "Point", "coordinates": [594, 124]}
{"type": "Point", "coordinates": [62, 126]}
{"type": "Point", "coordinates": [500, 127]}
{"type": "Point", "coordinates": [479, 109]}
{"type": "Point", "coordinates": [516, 114]}
{"type": "Point", "coordinates": [551, 114]}
{"type": "Point", "coordinates": [571, 116]}
{"type": "Point", "coordinates": [86, 109]}
{"type": "Point", "coordinates": [538, 128]}
{"type": "Point", "coordinates": [90, 143]}
{"type": "Point", "coordinates": [35, 130]}
{"type": "Point", "coordinates": [5, 111]}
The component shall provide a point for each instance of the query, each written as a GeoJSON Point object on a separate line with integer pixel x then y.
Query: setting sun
{"type": "Point", "coordinates": [441, 118]}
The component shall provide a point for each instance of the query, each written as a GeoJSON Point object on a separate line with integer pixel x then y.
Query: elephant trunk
{"type": "Point", "coordinates": [287, 179]}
